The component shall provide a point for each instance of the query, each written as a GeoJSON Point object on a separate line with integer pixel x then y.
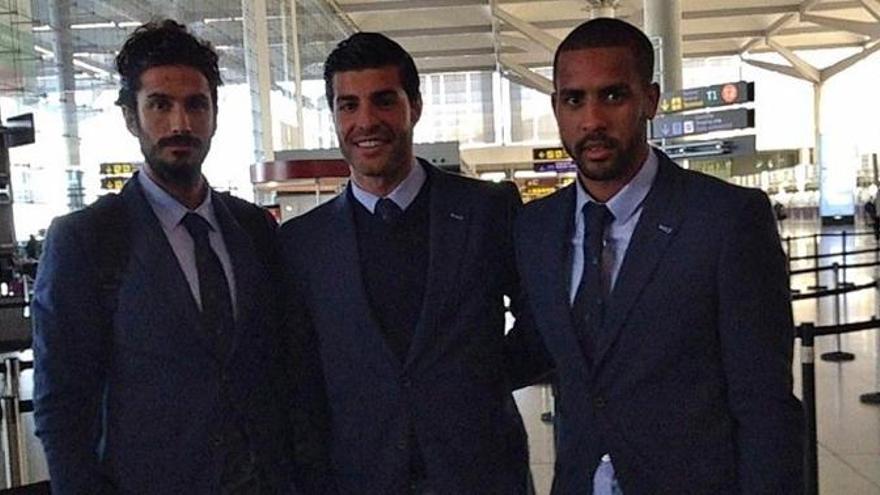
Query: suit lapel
{"type": "Point", "coordinates": [150, 249]}
{"type": "Point", "coordinates": [547, 265]}
{"type": "Point", "coordinates": [245, 268]}
{"type": "Point", "coordinates": [343, 265]}
{"type": "Point", "coordinates": [657, 226]}
{"type": "Point", "coordinates": [450, 221]}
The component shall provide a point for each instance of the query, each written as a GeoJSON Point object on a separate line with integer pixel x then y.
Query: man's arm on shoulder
{"type": "Point", "coordinates": [70, 358]}
{"type": "Point", "coordinates": [757, 334]}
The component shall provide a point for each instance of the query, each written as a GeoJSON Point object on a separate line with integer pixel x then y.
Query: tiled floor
{"type": "Point", "coordinates": [848, 431]}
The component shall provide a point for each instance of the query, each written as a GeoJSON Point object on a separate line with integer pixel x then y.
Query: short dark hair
{"type": "Point", "coordinates": [371, 51]}
{"type": "Point", "coordinates": [606, 32]}
{"type": "Point", "coordinates": [159, 43]}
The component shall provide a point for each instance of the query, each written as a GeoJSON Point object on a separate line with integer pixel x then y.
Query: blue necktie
{"type": "Point", "coordinates": [588, 310]}
{"type": "Point", "coordinates": [217, 314]}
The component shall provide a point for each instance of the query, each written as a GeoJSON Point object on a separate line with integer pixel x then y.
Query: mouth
{"type": "Point", "coordinates": [369, 143]}
{"type": "Point", "coordinates": [597, 150]}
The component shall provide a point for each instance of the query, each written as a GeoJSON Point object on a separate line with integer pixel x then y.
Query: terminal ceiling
{"type": "Point", "coordinates": [453, 35]}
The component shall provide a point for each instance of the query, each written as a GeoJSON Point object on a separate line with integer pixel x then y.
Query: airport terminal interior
{"type": "Point", "coordinates": [779, 95]}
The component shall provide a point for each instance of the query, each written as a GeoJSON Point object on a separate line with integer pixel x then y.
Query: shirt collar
{"type": "Point", "coordinates": [170, 211]}
{"type": "Point", "coordinates": [627, 201]}
{"type": "Point", "coordinates": [403, 195]}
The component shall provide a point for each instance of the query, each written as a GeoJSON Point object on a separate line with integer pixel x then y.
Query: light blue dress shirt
{"type": "Point", "coordinates": [403, 195]}
{"type": "Point", "coordinates": [170, 212]}
{"type": "Point", "coordinates": [626, 206]}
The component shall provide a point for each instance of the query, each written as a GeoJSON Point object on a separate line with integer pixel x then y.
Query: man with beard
{"type": "Point", "coordinates": [395, 290]}
{"type": "Point", "coordinates": [154, 337]}
{"type": "Point", "coordinates": [662, 296]}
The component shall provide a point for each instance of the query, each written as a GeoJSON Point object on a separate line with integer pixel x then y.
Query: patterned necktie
{"type": "Point", "coordinates": [588, 309]}
{"type": "Point", "coordinates": [388, 210]}
{"type": "Point", "coordinates": [217, 315]}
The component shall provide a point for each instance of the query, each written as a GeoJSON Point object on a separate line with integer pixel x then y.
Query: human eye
{"type": "Point", "coordinates": [572, 99]}
{"type": "Point", "coordinates": [345, 105]}
{"type": "Point", "coordinates": [616, 95]}
{"type": "Point", "coordinates": [198, 104]}
{"type": "Point", "coordinates": [160, 104]}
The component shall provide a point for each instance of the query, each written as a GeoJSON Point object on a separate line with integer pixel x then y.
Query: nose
{"type": "Point", "coordinates": [593, 118]}
{"type": "Point", "coordinates": [366, 117]}
{"type": "Point", "coordinates": [180, 121]}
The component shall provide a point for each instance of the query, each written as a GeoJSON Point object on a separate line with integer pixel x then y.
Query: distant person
{"type": "Point", "coordinates": [395, 289]}
{"type": "Point", "coordinates": [160, 376]}
{"type": "Point", "coordinates": [662, 296]}
{"type": "Point", "coordinates": [779, 211]}
{"type": "Point", "coordinates": [32, 248]}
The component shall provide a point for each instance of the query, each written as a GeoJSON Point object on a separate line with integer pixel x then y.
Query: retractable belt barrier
{"type": "Point", "coordinates": [807, 332]}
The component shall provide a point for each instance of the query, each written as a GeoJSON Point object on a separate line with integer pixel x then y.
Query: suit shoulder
{"type": "Point", "coordinates": [312, 219]}
{"type": "Point", "coordinates": [479, 187]}
{"type": "Point", "coordinates": [713, 190]}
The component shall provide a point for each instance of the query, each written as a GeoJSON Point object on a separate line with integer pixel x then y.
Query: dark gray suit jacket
{"type": "Point", "coordinates": [126, 399]}
{"type": "Point", "coordinates": [691, 386]}
{"type": "Point", "coordinates": [452, 388]}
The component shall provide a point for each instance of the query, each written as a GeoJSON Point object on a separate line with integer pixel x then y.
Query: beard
{"type": "Point", "coordinates": [183, 171]}
{"type": "Point", "coordinates": [617, 166]}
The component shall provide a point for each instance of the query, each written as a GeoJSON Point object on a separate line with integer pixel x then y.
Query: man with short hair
{"type": "Point", "coordinates": [662, 296]}
{"type": "Point", "coordinates": [154, 336]}
{"type": "Point", "coordinates": [395, 289]}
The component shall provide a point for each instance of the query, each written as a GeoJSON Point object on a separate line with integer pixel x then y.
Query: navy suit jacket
{"type": "Point", "coordinates": [452, 389]}
{"type": "Point", "coordinates": [131, 405]}
{"type": "Point", "coordinates": [691, 385]}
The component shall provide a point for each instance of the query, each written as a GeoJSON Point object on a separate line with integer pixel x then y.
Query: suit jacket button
{"type": "Point", "coordinates": [600, 402]}
{"type": "Point", "coordinates": [217, 440]}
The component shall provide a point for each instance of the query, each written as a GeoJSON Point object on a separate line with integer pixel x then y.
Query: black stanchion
{"type": "Point", "coordinates": [788, 252]}
{"type": "Point", "coordinates": [816, 285]}
{"type": "Point", "coordinates": [808, 395]}
{"type": "Point", "coordinates": [844, 283]}
{"type": "Point", "coordinates": [839, 355]}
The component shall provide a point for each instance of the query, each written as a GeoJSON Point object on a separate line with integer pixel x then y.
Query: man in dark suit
{"type": "Point", "coordinates": [160, 375]}
{"type": "Point", "coordinates": [395, 288]}
{"type": "Point", "coordinates": [661, 295]}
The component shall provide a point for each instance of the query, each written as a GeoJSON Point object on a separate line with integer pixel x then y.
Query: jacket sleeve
{"type": "Point", "coordinates": [70, 360]}
{"type": "Point", "coordinates": [757, 333]}
{"type": "Point", "coordinates": [308, 408]}
{"type": "Point", "coordinates": [528, 361]}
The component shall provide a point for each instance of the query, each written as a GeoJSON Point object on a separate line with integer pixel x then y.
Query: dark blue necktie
{"type": "Point", "coordinates": [217, 314]}
{"type": "Point", "coordinates": [588, 310]}
{"type": "Point", "coordinates": [388, 210]}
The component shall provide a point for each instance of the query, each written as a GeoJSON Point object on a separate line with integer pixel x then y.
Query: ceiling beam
{"type": "Point", "coordinates": [793, 8]}
{"type": "Point", "coordinates": [781, 69]}
{"type": "Point", "coordinates": [806, 70]}
{"type": "Point", "coordinates": [872, 6]}
{"type": "Point", "coordinates": [869, 29]}
{"type": "Point", "coordinates": [524, 76]}
{"type": "Point", "coordinates": [848, 62]}
{"type": "Point", "coordinates": [531, 31]}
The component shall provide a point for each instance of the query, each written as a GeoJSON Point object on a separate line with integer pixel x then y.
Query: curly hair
{"type": "Point", "coordinates": [164, 42]}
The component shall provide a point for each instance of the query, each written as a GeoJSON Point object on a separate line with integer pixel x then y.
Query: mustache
{"type": "Point", "coordinates": [180, 141]}
{"type": "Point", "coordinates": [594, 139]}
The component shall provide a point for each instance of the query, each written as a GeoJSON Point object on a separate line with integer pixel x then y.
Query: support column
{"type": "Point", "coordinates": [59, 19]}
{"type": "Point", "coordinates": [259, 77]}
{"type": "Point", "coordinates": [297, 74]}
{"type": "Point", "coordinates": [663, 21]}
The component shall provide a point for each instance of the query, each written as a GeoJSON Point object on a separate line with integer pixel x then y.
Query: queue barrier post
{"type": "Point", "coordinates": [838, 355]}
{"type": "Point", "coordinates": [808, 394]}
{"type": "Point", "coordinates": [15, 462]}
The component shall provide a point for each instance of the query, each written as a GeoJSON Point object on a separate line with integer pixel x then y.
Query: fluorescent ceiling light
{"type": "Point", "coordinates": [42, 28]}
{"type": "Point", "coordinates": [128, 24]}
{"type": "Point", "coordinates": [93, 25]}
{"type": "Point", "coordinates": [211, 20]}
